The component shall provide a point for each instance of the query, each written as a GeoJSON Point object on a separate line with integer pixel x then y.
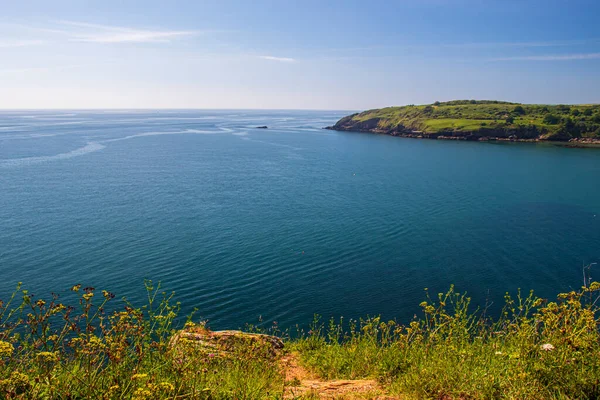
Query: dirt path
{"type": "Point", "coordinates": [300, 383]}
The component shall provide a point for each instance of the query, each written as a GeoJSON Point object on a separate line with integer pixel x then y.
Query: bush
{"type": "Point", "coordinates": [519, 110]}
{"type": "Point", "coordinates": [551, 119]}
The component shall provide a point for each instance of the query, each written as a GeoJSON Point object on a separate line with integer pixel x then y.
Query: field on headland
{"type": "Point", "coordinates": [481, 120]}
{"type": "Point", "coordinates": [534, 349]}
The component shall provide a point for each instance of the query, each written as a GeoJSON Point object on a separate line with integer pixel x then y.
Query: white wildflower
{"type": "Point", "coordinates": [547, 347]}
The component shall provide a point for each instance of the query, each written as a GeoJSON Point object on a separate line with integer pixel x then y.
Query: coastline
{"type": "Point", "coordinates": [576, 143]}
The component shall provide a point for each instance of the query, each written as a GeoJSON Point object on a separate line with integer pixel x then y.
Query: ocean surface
{"type": "Point", "coordinates": [278, 224]}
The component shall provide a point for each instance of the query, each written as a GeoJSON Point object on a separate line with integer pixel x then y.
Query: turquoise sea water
{"type": "Point", "coordinates": [285, 222]}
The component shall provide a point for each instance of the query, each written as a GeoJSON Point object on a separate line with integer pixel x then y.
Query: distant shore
{"type": "Point", "coordinates": [571, 143]}
{"type": "Point", "coordinates": [483, 120]}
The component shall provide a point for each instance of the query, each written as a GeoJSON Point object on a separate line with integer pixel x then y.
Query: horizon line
{"type": "Point", "coordinates": [260, 109]}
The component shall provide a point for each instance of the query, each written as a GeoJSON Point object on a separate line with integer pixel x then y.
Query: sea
{"type": "Point", "coordinates": [263, 226]}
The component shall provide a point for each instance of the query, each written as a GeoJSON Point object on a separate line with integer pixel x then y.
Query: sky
{"type": "Point", "coordinates": [337, 55]}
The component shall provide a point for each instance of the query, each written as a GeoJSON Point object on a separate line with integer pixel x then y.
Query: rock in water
{"type": "Point", "coordinates": [262, 127]}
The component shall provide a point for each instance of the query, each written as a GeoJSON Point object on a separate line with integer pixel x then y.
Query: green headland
{"type": "Point", "coordinates": [481, 120]}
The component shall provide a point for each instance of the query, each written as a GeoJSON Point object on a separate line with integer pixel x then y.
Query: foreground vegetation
{"type": "Point", "coordinates": [480, 119]}
{"type": "Point", "coordinates": [534, 349]}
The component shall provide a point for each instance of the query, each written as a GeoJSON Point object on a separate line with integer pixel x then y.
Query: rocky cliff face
{"type": "Point", "coordinates": [372, 125]}
{"type": "Point", "coordinates": [379, 125]}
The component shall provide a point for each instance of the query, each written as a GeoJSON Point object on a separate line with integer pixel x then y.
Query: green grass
{"type": "Point", "coordinates": [449, 124]}
{"type": "Point", "coordinates": [535, 348]}
{"type": "Point", "coordinates": [453, 353]}
{"type": "Point", "coordinates": [482, 118]}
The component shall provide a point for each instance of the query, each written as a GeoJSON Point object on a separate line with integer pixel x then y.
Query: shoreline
{"type": "Point", "coordinates": [575, 143]}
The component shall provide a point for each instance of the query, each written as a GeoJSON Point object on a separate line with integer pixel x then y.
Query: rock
{"type": "Point", "coordinates": [225, 343]}
{"type": "Point", "coordinates": [262, 127]}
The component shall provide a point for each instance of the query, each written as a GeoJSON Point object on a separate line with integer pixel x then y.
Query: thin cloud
{"type": "Point", "coordinates": [97, 33]}
{"type": "Point", "coordinates": [20, 43]}
{"type": "Point", "coordinates": [38, 69]}
{"type": "Point", "coordinates": [279, 59]}
{"type": "Point", "coordinates": [558, 57]}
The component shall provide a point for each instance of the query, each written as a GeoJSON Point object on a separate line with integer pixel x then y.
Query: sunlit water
{"type": "Point", "coordinates": [286, 222]}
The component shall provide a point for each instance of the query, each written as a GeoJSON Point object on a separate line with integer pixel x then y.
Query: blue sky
{"type": "Point", "coordinates": [296, 54]}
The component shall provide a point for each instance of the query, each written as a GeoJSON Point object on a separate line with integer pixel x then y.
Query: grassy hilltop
{"type": "Point", "coordinates": [480, 120]}
{"type": "Point", "coordinates": [535, 349]}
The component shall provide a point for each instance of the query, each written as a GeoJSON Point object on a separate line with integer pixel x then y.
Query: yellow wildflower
{"type": "Point", "coordinates": [166, 386]}
{"type": "Point", "coordinates": [19, 382]}
{"type": "Point", "coordinates": [139, 376]}
{"type": "Point", "coordinates": [189, 324]}
{"type": "Point", "coordinates": [6, 349]}
{"type": "Point", "coordinates": [47, 356]}
{"type": "Point", "coordinates": [142, 393]}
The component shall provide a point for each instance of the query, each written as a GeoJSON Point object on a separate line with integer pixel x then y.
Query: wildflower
{"type": "Point", "coordinates": [108, 295]}
{"type": "Point", "coordinates": [6, 349]}
{"type": "Point", "coordinates": [88, 296]}
{"type": "Point", "coordinates": [19, 382]}
{"type": "Point", "coordinates": [40, 303]}
{"type": "Point", "coordinates": [139, 376]}
{"type": "Point", "coordinates": [166, 386]}
{"type": "Point", "coordinates": [142, 393]}
{"type": "Point", "coordinates": [76, 288]}
{"type": "Point", "coordinates": [547, 347]}
{"type": "Point", "coordinates": [95, 344]}
{"type": "Point", "coordinates": [47, 356]}
{"type": "Point", "coordinates": [498, 353]}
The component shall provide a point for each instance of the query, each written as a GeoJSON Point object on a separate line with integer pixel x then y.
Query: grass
{"type": "Point", "coordinates": [451, 124]}
{"type": "Point", "coordinates": [482, 118]}
{"type": "Point", "coordinates": [534, 349]}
